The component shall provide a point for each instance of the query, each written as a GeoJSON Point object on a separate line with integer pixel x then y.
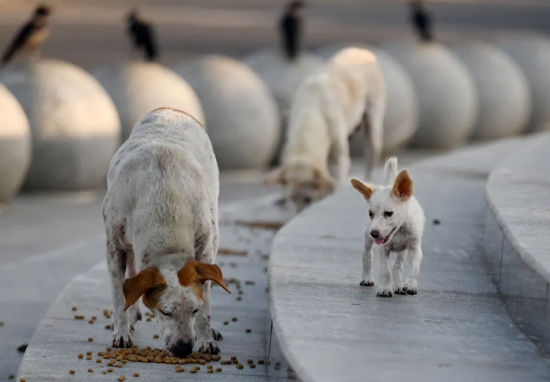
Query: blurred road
{"type": "Point", "coordinates": [91, 33]}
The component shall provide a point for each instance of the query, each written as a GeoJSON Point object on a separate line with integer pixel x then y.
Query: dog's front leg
{"type": "Point", "coordinates": [368, 280]}
{"type": "Point", "coordinates": [342, 159]}
{"type": "Point", "coordinates": [116, 263]}
{"type": "Point", "coordinates": [385, 289]}
{"type": "Point", "coordinates": [411, 286]}
{"type": "Point", "coordinates": [134, 310]}
{"type": "Point", "coordinates": [397, 272]}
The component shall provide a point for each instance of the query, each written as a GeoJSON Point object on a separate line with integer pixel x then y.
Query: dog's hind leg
{"type": "Point", "coordinates": [367, 280]}
{"type": "Point", "coordinates": [116, 264]}
{"type": "Point", "coordinates": [411, 286]}
{"type": "Point", "coordinates": [131, 270]}
{"type": "Point", "coordinates": [384, 290]}
{"type": "Point", "coordinates": [397, 272]}
{"type": "Point", "coordinates": [373, 136]}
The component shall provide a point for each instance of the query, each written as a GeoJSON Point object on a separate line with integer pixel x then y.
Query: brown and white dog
{"type": "Point", "coordinates": [327, 108]}
{"type": "Point", "coordinates": [161, 218]}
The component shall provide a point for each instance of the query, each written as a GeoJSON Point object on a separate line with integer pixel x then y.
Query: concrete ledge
{"type": "Point", "coordinates": [59, 337]}
{"type": "Point", "coordinates": [456, 329]}
{"type": "Point", "coordinates": [517, 241]}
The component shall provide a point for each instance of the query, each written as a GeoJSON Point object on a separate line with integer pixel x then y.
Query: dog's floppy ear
{"type": "Point", "coordinates": [136, 286]}
{"type": "Point", "coordinates": [403, 186]}
{"type": "Point", "coordinates": [275, 176]}
{"type": "Point", "coordinates": [364, 189]}
{"type": "Point", "coordinates": [194, 272]}
{"type": "Point", "coordinates": [324, 180]}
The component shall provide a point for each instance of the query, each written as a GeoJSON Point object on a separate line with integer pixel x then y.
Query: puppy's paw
{"type": "Point", "coordinates": [207, 346]}
{"type": "Point", "coordinates": [122, 338]}
{"type": "Point", "coordinates": [217, 335]}
{"type": "Point", "coordinates": [410, 290]}
{"type": "Point", "coordinates": [400, 290]}
{"type": "Point", "coordinates": [384, 292]}
{"type": "Point", "coordinates": [367, 282]}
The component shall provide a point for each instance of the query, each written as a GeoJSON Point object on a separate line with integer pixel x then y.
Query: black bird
{"type": "Point", "coordinates": [291, 29]}
{"type": "Point", "coordinates": [142, 36]}
{"type": "Point", "coordinates": [421, 20]}
{"type": "Point", "coordinates": [31, 35]}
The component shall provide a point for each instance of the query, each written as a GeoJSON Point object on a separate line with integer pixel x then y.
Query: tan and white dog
{"type": "Point", "coordinates": [161, 218]}
{"type": "Point", "coordinates": [327, 108]}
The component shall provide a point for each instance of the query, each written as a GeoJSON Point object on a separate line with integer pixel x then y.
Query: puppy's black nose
{"type": "Point", "coordinates": [182, 349]}
{"type": "Point", "coordinates": [375, 234]}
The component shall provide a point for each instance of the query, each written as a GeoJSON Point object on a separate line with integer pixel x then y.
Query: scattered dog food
{"type": "Point", "coordinates": [80, 356]}
{"type": "Point", "coordinates": [261, 224]}
{"type": "Point", "coordinates": [11, 376]}
{"type": "Point", "coordinates": [98, 360]}
{"type": "Point", "coordinates": [89, 358]}
{"type": "Point", "coordinates": [437, 222]}
{"type": "Point", "coordinates": [260, 361]}
{"type": "Point", "coordinates": [155, 336]}
{"type": "Point", "coordinates": [227, 251]}
{"type": "Point", "coordinates": [75, 308]}
{"type": "Point", "coordinates": [107, 326]}
{"type": "Point", "coordinates": [104, 372]}
{"type": "Point", "coordinates": [72, 371]}
{"type": "Point", "coordinates": [110, 370]}
{"type": "Point", "coordinates": [136, 375]}
{"type": "Point", "coordinates": [226, 322]}
{"type": "Point", "coordinates": [249, 361]}
{"type": "Point", "coordinates": [234, 319]}
{"type": "Point", "coordinates": [90, 370]}
{"type": "Point", "coordinates": [248, 330]}
{"type": "Point", "coordinates": [252, 366]}
{"type": "Point", "coordinates": [239, 366]}
{"type": "Point", "coordinates": [218, 370]}
{"type": "Point", "coordinates": [90, 339]}
{"type": "Point", "coordinates": [122, 378]}
{"type": "Point", "coordinates": [78, 317]}
{"type": "Point", "coordinates": [148, 319]}
{"type": "Point", "coordinates": [88, 353]}
{"type": "Point", "coordinates": [22, 379]}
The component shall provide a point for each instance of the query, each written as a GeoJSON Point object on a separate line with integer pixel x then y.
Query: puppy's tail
{"type": "Point", "coordinates": [390, 170]}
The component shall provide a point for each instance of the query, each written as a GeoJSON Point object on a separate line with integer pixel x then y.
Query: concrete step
{"type": "Point", "coordinates": [59, 337]}
{"type": "Point", "coordinates": [517, 243]}
{"type": "Point", "coordinates": [456, 329]}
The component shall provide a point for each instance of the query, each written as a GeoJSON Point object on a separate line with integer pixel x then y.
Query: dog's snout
{"type": "Point", "coordinates": [182, 349]}
{"type": "Point", "coordinates": [375, 234]}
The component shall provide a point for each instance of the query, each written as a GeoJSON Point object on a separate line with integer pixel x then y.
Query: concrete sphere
{"type": "Point", "coordinates": [401, 118]}
{"type": "Point", "coordinates": [15, 145]}
{"type": "Point", "coordinates": [74, 125]}
{"type": "Point", "coordinates": [445, 91]}
{"type": "Point", "coordinates": [241, 114]}
{"type": "Point", "coordinates": [503, 93]}
{"type": "Point", "coordinates": [532, 54]}
{"type": "Point", "coordinates": [138, 87]}
{"type": "Point", "coordinates": [281, 76]}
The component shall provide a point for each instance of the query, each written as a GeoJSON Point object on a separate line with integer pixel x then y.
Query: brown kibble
{"type": "Point", "coordinates": [252, 366]}
{"type": "Point", "coordinates": [94, 318]}
{"type": "Point", "coordinates": [155, 336]}
{"type": "Point", "coordinates": [23, 379]}
{"type": "Point", "coordinates": [193, 371]}
{"type": "Point", "coordinates": [89, 358]}
{"type": "Point", "coordinates": [90, 370]}
{"type": "Point", "coordinates": [90, 339]}
{"type": "Point", "coordinates": [80, 356]}
{"type": "Point", "coordinates": [108, 349]}
{"type": "Point", "coordinates": [249, 361]}
{"type": "Point", "coordinates": [226, 322]}
{"type": "Point", "coordinates": [11, 376]}
{"type": "Point", "coordinates": [107, 326]}
{"type": "Point", "coordinates": [218, 370]}
{"type": "Point", "coordinates": [239, 298]}
{"type": "Point", "coordinates": [216, 358]}
{"type": "Point", "coordinates": [223, 362]}
{"type": "Point", "coordinates": [148, 320]}
{"type": "Point", "coordinates": [104, 372]}
{"type": "Point", "coordinates": [121, 378]}
{"type": "Point", "coordinates": [239, 366]}
{"type": "Point", "coordinates": [88, 353]}
{"type": "Point", "coordinates": [260, 361]}
{"type": "Point", "coordinates": [98, 360]}
{"type": "Point", "coordinates": [110, 370]}
{"type": "Point", "coordinates": [72, 371]}
{"type": "Point", "coordinates": [248, 330]}
{"type": "Point", "coordinates": [118, 365]}
{"type": "Point", "coordinates": [74, 310]}
{"type": "Point", "coordinates": [202, 362]}
{"type": "Point", "coordinates": [136, 375]}
{"type": "Point", "coordinates": [233, 358]}
{"type": "Point", "coordinates": [124, 361]}
{"type": "Point", "coordinates": [210, 371]}
{"type": "Point", "coordinates": [234, 319]}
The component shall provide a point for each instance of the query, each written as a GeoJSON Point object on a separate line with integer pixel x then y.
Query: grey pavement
{"type": "Point", "coordinates": [46, 240]}
{"type": "Point", "coordinates": [456, 329]}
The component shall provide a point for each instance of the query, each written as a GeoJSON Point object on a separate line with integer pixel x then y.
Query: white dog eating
{"type": "Point", "coordinates": [395, 224]}
{"type": "Point", "coordinates": [161, 217]}
{"type": "Point", "coordinates": [327, 108]}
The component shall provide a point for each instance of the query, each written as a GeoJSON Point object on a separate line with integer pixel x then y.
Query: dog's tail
{"type": "Point", "coordinates": [390, 170]}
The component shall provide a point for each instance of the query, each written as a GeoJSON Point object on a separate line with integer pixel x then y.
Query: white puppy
{"type": "Point", "coordinates": [327, 108]}
{"type": "Point", "coordinates": [396, 224]}
{"type": "Point", "coordinates": [161, 216]}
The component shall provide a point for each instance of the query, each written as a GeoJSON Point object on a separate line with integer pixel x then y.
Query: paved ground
{"type": "Point", "coordinates": [91, 33]}
{"type": "Point", "coordinates": [47, 240]}
{"type": "Point", "coordinates": [456, 329]}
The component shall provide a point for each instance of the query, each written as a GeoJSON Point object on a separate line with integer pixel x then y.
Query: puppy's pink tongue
{"type": "Point", "coordinates": [379, 241]}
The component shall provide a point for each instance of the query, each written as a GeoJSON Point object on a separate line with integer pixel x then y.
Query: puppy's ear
{"type": "Point", "coordinates": [364, 189]}
{"type": "Point", "coordinates": [275, 176]}
{"type": "Point", "coordinates": [403, 186]}
{"type": "Point", "coordinates": [194, 272]}
{"type": "Point", "coordinates": [134, 287]}
{"type": "Point", "coordinates": [324, 180]}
